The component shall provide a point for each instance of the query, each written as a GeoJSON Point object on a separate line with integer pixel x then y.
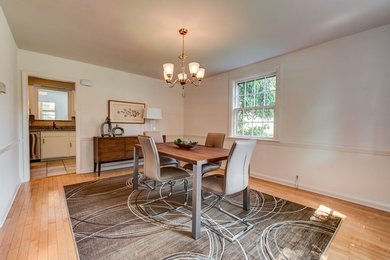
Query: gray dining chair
{"type": "Point", "coordinates": [153, 171]}
{"type": "Point", "coordinates": [235, 180]}
{"type": "Point", "coordinates": [212, 140]}
{"type": "Point", "coordinates": [159, 138]}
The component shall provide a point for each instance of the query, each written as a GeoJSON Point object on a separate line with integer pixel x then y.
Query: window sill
{"type": "Point", "coordinates": [258, 139]}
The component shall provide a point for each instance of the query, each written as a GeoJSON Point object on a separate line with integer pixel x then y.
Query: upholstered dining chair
{"type": "Point", "coordinates": [153, 171]}
{"type": "Point", "coordinates": [158, 138]}
{"type": "Point", "coordinates": [235, 180]}
{"type": "Point", "coordinates": [212, 140]}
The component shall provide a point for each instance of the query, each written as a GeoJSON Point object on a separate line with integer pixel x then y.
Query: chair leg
{"type": "Point", "coordinates": [150, 187]}
{"type": "Point", "coordinates": [246, 199]}
{"type": "Point", "coordinates": [248, 226]}
{"type": "Point", "coordinates": [171, 183]}
{"type": "Point", "coordinates": [186, 190]}
{"type": "Point", "coordinates": [206, 197]}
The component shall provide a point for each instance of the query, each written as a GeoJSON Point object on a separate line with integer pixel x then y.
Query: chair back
{"type": "Point", "coordinates": [215, 140]}
{"type": "Point", "coordinates": [151, 158]}
{"type": "Point", "coordinates": [156, 135]}
{"type": "Point", "coordinates": [237, 166]}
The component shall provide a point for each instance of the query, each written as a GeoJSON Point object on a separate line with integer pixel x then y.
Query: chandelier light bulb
{"type": "Point", "coordinates": [168, 69]}
{"type": "Point", "coordinates": [194, 67]}
{"type": "Point", "coordinates": [200, 74]}
{"type": "Point", "coordinates": [182, 77]}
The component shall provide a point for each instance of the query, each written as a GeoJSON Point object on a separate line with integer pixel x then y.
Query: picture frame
{"type": "Point", "coordinates": [125, 112]}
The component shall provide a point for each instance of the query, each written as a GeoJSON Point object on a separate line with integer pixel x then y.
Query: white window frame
{"type": "Point", "coordinates": [233, 83]}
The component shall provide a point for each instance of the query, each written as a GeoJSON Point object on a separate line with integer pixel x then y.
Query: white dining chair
{"type": "Point", "coordinates": [212, 140]}
{"type": "Point", "coordinates": [159, 138]}
{"type": "Point", "coordinates": [153, 171]}
{"type": "Point", "coordinates": [235, 180]}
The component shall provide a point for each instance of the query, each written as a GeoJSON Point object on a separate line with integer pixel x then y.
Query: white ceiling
{"type": "Point", "coordinates": [139, 36]}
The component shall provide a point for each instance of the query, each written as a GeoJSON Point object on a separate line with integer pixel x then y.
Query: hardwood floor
{"type": "Point", "coordinates": [37, 226]}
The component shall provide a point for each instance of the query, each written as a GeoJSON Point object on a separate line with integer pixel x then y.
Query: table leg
{"type": "Point", "coordinates": [135, 172]}
{"type": "Point", "coordinates": [196, 199]}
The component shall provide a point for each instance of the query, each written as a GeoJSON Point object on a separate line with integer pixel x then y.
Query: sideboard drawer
{"type": "Point", "coordinates": [129, 146]}
{"type": "Point", "coordinates": [111, 149]}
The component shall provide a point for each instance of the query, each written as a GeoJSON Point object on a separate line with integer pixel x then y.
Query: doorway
{"type": "Point", "coordinates": [51, 127]}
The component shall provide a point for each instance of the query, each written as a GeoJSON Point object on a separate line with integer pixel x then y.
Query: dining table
{"type": "Point", "coordinates": [197, 156]}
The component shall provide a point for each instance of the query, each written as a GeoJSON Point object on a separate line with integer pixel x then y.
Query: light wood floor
{"type": "Point", "coordinates": [51, 168]}
{"type": "Point", "coordinates": [37, 226]}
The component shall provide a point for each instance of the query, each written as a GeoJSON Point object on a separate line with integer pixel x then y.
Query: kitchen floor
{"type": "Point", "coordinates": [52, 168]}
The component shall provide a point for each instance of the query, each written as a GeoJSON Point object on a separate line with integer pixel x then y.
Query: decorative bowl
{"type": "Point", "coordinates": [185, 144]}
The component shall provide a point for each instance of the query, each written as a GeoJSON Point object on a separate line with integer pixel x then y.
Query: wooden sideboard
{"type": "Point", "coordinates": [113, 149]}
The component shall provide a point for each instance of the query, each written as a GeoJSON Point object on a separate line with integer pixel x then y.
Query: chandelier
{"type": "Point", "coordinates": [197, 73]}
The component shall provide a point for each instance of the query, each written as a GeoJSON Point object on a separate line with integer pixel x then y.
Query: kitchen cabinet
{"type": "Point", "coordinates": [72, 141]}
{"type": "Point", "coordinates": [57, 144]}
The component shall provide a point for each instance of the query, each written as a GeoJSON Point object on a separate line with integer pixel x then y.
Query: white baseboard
{"type": "Point", "coordinates": [111, 166]}
{"type": "Point", "coordinates": [368, 203]}
{"type": "Point", "coordinates": [4, 217]}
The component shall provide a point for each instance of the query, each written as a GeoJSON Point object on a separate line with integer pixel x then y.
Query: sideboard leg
{"type": "Point", "coordinates": [94, 167]}
{"type": "Point", "coordinates": [99, 168]}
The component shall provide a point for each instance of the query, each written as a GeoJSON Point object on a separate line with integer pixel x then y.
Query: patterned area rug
{"type": "Point", "coordinates": [109, 222]}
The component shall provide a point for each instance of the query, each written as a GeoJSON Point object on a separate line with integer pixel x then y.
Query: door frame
{"type": "Point", "coordinates": [25, 151]}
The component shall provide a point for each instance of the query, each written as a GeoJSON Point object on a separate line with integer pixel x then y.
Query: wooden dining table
{"type": "Point", "coordinates": [197, 156]}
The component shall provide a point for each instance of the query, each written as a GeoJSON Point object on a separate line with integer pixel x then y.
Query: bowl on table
{"type": "Point", "coordinates": [186, 144]}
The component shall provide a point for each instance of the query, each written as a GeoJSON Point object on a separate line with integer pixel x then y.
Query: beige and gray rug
{"type": "Point", "coordinates": [109, 222]}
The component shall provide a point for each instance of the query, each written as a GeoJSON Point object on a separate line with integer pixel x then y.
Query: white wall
{"type": "Point", "coordinates": [334, 117]}
{"type": "Point", "coordinates": [91, 102]}
{"type": "Point", "coordinates": [9, 107]}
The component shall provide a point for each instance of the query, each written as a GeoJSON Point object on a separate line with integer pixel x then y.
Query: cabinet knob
{"type": "Point", "coordinates": [71, 145]}
{"type": "Point", "coordinates": [43, 140]}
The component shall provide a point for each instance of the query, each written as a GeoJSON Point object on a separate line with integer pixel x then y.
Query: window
{"type": "Point", "coordinates": [53, 104]}
{"type": "Point", "coordinates": [254, 103]}
{"type": "Point", "coordinates": [47, 110]}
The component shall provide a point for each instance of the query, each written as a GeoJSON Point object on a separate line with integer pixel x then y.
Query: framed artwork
{"type": "Point", "coordinates": [123, 112]}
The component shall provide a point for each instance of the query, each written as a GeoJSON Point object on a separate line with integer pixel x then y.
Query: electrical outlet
{"type": "Point", "coordinates": [296, 181]}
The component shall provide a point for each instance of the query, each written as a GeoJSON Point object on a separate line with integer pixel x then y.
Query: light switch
{"type": "Point", "coordinates": [2, 88]}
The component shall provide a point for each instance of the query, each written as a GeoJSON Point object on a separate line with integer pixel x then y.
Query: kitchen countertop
{"type": "Point", "coordinates": [50, 128]}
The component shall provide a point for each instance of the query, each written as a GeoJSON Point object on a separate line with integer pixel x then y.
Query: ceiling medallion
{"type": "Point", "coordinates": [197, 73]}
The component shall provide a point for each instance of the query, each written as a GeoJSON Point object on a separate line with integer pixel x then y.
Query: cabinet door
{"type": "Point", "coordinates": [111, 149]}
{"type": "Point", "coordinates": [54, 146]}
{"type": "Point", "coordinates": [72, 148]}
